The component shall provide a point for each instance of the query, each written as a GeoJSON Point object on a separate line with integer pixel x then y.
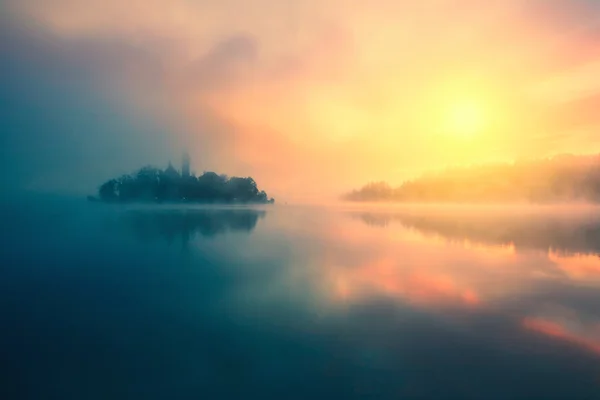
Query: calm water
{"type": "Point", "coordinates": [299, 302]}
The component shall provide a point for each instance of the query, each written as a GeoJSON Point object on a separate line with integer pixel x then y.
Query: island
{"type": "Point", "coordinates": [151, 184]}
{"type": "Point", "coordinates": [564, 178]}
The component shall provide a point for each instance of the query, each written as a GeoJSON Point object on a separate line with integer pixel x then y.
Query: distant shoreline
{"type": "Point", "coordinates": [481, 203]}
{"type": "Point", "coordinates": [563, 179]}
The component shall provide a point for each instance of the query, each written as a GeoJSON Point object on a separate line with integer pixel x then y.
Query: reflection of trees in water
{"type": "Point", "coordinates": [560, 231]}
{"type": "Point", "coordinates": [171, 225]}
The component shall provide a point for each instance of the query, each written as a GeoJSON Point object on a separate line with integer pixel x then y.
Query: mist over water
{"type": "Point", "coordinates": [289, 302]}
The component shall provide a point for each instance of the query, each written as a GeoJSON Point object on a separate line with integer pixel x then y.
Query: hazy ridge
{"type": "Point", "coordinates": [563, 178]}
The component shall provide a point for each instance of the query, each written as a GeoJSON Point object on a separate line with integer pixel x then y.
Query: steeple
{"type": "Point", "coordinates": [185, 165]}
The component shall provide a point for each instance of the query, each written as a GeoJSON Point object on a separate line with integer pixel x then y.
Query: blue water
{"type": "Point", "coordinates": [282, 302]}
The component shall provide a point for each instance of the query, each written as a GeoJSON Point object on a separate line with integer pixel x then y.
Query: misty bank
{"type": "Point", "coordinates": [560, 179]}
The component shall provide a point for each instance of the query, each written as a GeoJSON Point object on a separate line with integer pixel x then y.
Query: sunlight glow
{"type": "Point", "coordinates": [465, 118]}
{"type": "Point", "coordinates": [368, 91]}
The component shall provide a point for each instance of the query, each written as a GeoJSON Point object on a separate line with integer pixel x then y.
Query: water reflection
{"type": "Point", "coordinates": [537, 269]}
{"type": "Point", "coordinates": [568, 325]}
{"type": "Point", "coordinates": [186, 224]}
{"type": "Point", "coordinates": [313, 304]}
{"type": "Point", "coordinates": [560, 229]}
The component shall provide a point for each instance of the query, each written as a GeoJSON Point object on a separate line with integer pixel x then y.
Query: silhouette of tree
{"type": "Point", "coordinates": [152, 184]}
{"type": "Point", "coordinates": [108, 191]}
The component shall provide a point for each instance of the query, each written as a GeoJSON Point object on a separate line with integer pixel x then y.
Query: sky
{"type": "Point", "coordinates": [311, 98]}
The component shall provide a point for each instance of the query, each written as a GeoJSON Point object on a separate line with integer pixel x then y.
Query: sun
{"type": "Point", "coordinates": [465, 118]}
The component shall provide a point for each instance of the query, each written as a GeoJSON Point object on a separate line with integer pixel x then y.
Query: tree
{"type": "Point", "coordinates": [108, 190]}
{"type": "Point", "coordinates": [152, 184]}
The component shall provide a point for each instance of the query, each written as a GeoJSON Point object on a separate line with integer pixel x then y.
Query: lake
{"type": "Point", "coordinates": [299, 302]}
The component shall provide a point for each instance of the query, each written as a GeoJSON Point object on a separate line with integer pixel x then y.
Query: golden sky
{"type": "Point", "coordinates": [314, 97]}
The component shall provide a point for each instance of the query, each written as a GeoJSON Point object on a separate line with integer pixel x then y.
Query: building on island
{"type": "Point", "coordinates": [185, 166]}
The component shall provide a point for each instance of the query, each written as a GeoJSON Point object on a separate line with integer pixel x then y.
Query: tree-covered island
{"type": "Point", "coordinates": [151, 184]}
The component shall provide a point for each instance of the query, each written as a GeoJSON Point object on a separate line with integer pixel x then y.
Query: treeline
{"type": "Point", "coordinates": [151, 184]}
{"type": "Point", "coordinates": [564, 178]}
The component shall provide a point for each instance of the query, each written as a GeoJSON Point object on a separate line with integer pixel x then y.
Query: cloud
{"type": "Point", "coordinates": [343, 86]}
{"type": "Point", "coordinates": [228, 63]}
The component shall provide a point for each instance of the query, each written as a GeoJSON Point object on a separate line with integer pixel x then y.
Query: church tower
{"type": "Point", "coordinates": [185, 165]}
